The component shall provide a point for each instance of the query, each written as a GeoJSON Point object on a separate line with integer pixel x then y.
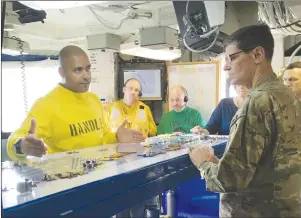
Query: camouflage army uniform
{"type": "Point", "coordinates": [259, 174]}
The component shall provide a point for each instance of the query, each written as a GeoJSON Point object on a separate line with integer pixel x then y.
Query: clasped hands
{"type": "Point", "coordinates": [199, 154]}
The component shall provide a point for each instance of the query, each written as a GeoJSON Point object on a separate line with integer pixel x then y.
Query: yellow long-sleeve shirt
{"type": "Point", "coordinates": [139, 117]}
{"type": "Point", "coordinates": [66, 121]}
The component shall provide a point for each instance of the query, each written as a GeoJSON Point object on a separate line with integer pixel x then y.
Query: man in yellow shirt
{"type": "Point", "coordinates": [137, 114]}
{"type": "Point", "coordinates": [139, 117]}
{"type": "Point", "coordinates": [69, 117]}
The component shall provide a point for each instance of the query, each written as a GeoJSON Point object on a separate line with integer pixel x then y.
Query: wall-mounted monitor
{"type": "Point", "coordinates": [150, 75]}
{"type": "Point", "coordinates": [150, 81]}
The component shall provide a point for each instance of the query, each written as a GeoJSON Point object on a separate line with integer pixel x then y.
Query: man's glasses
{"type": "Point", "coordinates": [230, 58]}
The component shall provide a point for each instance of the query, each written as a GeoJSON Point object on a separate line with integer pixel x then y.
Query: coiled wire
{"type": "Point", "coordinates": [23, 75]}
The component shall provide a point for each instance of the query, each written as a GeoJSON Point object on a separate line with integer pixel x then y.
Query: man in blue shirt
{"type": "Point", "coordinates": [221, 117]}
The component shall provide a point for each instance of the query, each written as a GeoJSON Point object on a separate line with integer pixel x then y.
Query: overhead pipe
{"type": "Point", "coordinates": [294, 54]}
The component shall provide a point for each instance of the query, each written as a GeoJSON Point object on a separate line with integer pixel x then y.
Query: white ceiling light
{"type": "Point", "coordinates": [12, 52]}
{"type": "Point", "coordinates": [46, 5]}
{"type": "Point", "coordinates": [135, 50]}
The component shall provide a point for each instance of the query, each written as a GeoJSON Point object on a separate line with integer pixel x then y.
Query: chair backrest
{"type": "Point", "coordinates": [4, 154]}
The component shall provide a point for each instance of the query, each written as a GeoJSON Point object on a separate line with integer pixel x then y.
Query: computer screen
{"type": "Point", "coordinates": [150, 80]}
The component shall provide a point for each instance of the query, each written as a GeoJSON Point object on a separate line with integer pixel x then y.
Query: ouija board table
{"type": "Point", "coordinates": [92, 182]}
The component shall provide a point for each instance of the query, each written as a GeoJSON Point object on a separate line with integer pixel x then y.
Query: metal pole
{"type": "Point", "coordinates": [171, 203]}
{"type": "Point", "coordinates": [3, 8]}
{"type": "Point", "coordinates": [293, 54]}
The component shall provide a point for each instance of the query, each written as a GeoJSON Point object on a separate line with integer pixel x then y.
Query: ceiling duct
{"type": "Point", "coordinates": [105, 42]}
{"type": "Point", "coordinates": [159, 38]}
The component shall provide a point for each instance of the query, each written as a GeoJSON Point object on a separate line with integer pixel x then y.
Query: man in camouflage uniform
{"type": "Point", "coordinates": [259, 174]}
{"type": "Point", "coordinates": [292, 78]}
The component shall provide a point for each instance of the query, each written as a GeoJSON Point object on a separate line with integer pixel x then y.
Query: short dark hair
{"type": "Point", "coordinates": [249, 37]}
{"type": "Point", "coordinates": [294, 65]}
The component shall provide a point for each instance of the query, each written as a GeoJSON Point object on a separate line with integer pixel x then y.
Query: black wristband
{"type": "Point", "coordinates": [17, 147]}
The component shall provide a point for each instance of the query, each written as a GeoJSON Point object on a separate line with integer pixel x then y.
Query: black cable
{"type": "Point", "coordinates": [298, 25]}
{"type": "Point", "coordinates": [23, 75]}
{"type": "Point", "coordinates": [291, 24]}
{"type": "Point", "coordinates": [187, 16]}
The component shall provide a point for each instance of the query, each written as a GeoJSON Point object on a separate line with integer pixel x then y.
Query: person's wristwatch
{"type": "Point", "coordinates": [17, 147]}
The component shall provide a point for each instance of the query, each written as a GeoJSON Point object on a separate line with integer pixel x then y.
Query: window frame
{"type": "Point", "coordinates": [34, 84]}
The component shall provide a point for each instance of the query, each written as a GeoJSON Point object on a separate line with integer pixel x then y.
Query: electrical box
{"type": "Point", "coordinates": [105, 41]}
{"type": "Point", "coordinates": [159, 37]}
{"type": "Point", "coordinates": [204, 16]}
{"type": "Point", "coordinates": [215, 11]}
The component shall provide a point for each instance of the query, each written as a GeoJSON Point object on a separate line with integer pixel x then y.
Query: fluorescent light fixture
{"type": "Point", "coordinates": [162, 54]}
{"type": "Point", "coordinates": [46, 5]}
{"type": "Point", "coordinates": [12, 52]}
